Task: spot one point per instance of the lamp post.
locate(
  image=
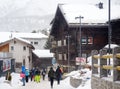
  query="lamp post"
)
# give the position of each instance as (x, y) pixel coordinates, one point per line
(109, 27)
(80, 55)
(68, 38)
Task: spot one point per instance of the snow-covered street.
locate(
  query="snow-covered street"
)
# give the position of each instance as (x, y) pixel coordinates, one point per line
(33, 85)
(45, 84)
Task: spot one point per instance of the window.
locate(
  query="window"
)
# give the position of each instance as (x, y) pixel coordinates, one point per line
(84, 41)
(24, 48)
(36, 43)
(87, 40)
(12, 48)
(65, 57)
(90, 40)
(60, 56)
(65, 42)
(59, 43)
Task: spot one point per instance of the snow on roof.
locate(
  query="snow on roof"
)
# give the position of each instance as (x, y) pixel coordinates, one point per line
(4, 36)
(43, 53)
(91, 13)
(20, 39)
(23, 40)
(29, 35)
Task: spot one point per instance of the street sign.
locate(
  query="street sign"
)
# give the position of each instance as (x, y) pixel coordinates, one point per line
(53, 61)
(80, 60)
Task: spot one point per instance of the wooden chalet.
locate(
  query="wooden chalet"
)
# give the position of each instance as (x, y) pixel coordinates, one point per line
(94, 35)
(115, 24)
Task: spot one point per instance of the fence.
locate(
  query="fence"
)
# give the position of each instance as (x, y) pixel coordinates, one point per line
(106, 69)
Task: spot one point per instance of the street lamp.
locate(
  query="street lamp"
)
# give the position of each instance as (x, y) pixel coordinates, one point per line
(109, 25)
(68, 38)
(80, 17)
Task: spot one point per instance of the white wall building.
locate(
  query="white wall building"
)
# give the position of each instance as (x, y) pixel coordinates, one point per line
(21, 50)
(21, 46)
(38, 40)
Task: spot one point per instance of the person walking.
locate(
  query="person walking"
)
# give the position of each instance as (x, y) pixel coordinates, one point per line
(43, 74)
(58, 74)
(22, 75)
(37, 75)
(27, 75)
(31, 74)
(51, 76)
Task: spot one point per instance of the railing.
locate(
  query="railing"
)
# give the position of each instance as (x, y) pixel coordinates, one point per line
(5, 55)
(105, 69)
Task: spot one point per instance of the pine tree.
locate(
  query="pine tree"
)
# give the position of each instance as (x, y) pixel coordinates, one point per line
(48, 44)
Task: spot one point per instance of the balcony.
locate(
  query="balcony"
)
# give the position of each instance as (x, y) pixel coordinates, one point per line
(5, 55)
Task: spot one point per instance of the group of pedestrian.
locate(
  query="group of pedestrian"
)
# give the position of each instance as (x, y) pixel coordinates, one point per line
(52, 75)
(34, 74)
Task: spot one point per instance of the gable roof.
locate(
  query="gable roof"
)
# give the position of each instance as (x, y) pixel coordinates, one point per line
(19, 39)
(91, 13)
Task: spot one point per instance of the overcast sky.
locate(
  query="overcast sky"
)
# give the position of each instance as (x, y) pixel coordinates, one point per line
(45, 6)
(29, 15)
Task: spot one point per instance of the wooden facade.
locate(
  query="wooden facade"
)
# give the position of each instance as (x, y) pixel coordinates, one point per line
(115, 25)
(93, 36)
(4, 48)
(41, 62)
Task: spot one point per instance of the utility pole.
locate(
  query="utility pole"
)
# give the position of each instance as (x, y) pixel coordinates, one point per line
(109, 28)
(80, 49)
(68, 38)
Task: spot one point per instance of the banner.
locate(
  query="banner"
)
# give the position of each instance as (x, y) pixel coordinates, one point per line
(6, 64)
(80, 60)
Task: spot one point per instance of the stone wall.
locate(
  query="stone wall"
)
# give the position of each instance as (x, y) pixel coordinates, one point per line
(103, 83)
(75, 82)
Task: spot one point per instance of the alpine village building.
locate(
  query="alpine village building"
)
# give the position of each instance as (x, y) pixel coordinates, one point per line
(72, 38)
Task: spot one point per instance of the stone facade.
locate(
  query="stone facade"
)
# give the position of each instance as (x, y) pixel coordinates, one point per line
(98, 83)
(75, 82)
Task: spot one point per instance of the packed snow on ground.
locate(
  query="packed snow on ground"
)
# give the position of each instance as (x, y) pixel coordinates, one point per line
(16, 83)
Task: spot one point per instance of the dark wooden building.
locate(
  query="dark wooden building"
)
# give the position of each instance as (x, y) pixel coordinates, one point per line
(115, 25)
(42, 59)
(66, 41)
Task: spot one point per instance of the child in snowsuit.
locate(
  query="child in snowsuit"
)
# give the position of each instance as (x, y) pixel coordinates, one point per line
(37, 76)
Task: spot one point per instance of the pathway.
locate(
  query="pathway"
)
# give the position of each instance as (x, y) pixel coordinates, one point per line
(45, 84)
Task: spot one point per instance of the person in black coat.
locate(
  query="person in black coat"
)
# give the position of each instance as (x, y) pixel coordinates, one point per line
(58, 74)
(43, 74)
(51, 76)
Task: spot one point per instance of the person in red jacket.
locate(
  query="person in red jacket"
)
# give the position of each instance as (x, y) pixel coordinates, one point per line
(22, 75)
